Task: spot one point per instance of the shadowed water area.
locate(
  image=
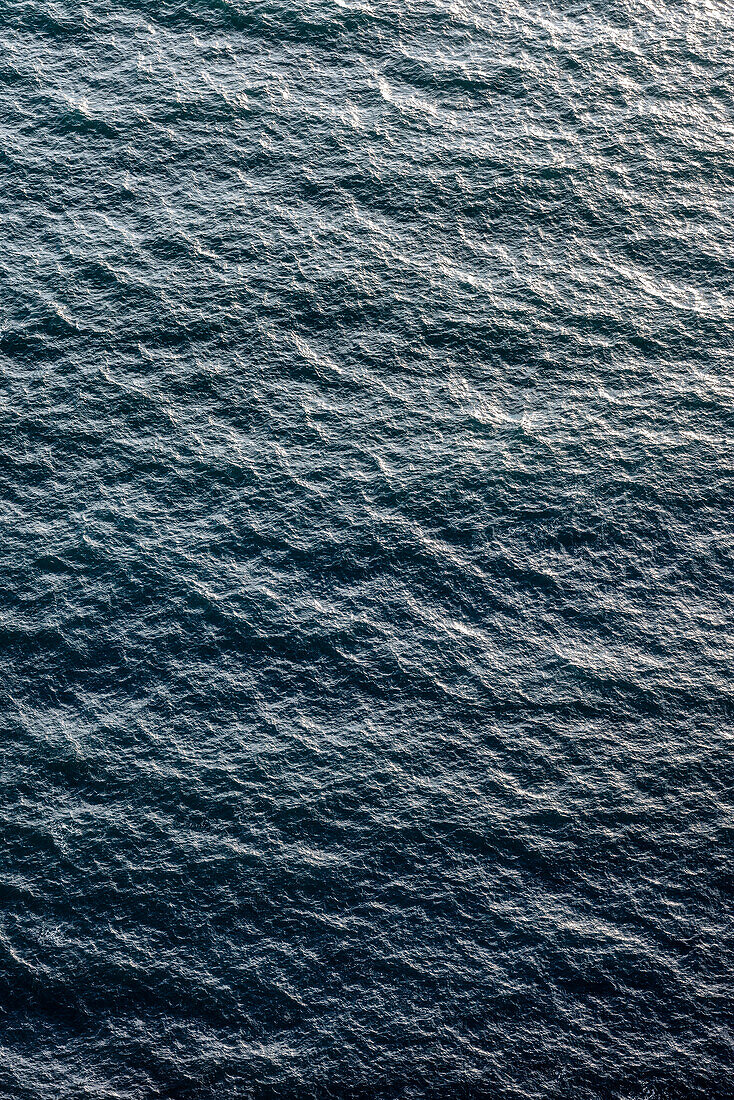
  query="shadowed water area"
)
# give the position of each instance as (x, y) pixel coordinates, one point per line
(367, 550)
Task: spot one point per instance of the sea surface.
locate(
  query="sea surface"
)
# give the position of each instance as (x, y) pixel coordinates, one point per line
(366, 550)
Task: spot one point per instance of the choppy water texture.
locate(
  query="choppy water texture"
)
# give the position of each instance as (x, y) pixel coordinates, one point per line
(366, 517)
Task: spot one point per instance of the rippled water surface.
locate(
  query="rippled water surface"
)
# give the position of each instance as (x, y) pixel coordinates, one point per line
(366, 530)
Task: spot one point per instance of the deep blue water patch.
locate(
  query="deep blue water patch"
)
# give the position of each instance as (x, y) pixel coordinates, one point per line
(367, 543)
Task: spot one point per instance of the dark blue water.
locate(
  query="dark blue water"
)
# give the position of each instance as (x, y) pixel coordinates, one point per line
(367, 546)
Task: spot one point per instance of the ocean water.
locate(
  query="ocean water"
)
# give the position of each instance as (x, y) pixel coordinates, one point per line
(367, 544)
